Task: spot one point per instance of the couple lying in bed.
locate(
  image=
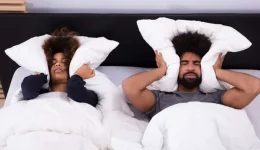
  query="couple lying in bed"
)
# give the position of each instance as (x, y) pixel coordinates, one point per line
(60, 48)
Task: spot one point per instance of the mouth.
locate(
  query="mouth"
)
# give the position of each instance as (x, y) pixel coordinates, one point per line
(58, 70)
(190, 75)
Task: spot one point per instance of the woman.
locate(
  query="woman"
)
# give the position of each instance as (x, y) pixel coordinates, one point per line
(59, 50)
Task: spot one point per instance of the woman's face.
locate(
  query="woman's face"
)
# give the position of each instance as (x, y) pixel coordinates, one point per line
(59, 73)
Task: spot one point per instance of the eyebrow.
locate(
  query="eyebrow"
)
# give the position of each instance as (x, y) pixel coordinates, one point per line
(194, 61)
(56, 59)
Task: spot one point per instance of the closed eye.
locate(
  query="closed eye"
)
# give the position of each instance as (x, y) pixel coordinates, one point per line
(184, 62)
(64, 60)
(196, 63)
(54, 62)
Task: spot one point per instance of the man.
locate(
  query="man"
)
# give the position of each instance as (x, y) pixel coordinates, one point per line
(190, 47)
(59, 50)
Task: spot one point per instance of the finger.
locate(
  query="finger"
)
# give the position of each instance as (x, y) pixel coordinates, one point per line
(157, 53)
(222, 58)
(220, 55)
(160, 53)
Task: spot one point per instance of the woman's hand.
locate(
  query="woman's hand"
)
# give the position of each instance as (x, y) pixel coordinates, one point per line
(85, 72)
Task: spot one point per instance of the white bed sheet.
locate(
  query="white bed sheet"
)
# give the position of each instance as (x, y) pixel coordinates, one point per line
(118, 74)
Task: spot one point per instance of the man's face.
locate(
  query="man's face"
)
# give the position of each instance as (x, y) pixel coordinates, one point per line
(190, 71)
(59, 73)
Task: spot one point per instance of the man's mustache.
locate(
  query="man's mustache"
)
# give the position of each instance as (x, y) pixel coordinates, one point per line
(191, 73)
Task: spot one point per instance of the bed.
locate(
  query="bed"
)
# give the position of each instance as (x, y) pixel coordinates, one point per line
(16, 28)
(128, 58)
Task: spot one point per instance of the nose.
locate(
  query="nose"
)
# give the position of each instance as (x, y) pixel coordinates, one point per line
(190, 67)
(57, 64)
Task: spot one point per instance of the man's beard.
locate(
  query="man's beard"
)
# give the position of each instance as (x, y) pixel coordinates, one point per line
(190, 83)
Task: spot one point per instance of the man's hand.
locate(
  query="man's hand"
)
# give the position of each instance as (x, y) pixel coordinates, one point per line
(85, 72)
(219, 62)
(161, 64)
(246, 87)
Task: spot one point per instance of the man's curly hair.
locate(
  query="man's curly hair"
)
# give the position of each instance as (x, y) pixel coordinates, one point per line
(191, 42)
(61, 40)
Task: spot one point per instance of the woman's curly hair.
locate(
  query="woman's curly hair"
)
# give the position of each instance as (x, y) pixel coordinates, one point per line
(61, 40)
(191, 42)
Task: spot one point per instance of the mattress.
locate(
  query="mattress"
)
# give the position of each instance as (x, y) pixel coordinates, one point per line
(117, 74)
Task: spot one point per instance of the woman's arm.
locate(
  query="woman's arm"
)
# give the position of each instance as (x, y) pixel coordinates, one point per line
(77, 91)
(32, 85)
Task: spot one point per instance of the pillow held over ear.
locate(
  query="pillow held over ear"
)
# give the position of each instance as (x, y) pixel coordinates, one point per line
(160, 32)
(92, 51)
(30, 54)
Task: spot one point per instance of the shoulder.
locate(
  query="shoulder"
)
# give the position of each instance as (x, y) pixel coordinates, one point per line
(213, 93)
(216, 96)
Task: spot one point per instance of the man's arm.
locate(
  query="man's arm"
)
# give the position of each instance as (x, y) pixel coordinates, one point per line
(246, 87)
(77, 91)
(135, 86)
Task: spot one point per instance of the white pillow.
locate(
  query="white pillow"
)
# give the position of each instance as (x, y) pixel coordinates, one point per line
(92, 51)
(110, 96)
(30, 54)
(159, 33)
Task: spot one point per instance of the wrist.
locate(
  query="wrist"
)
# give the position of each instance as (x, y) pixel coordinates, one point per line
(161, 72)
(218, 72)
(77, 75)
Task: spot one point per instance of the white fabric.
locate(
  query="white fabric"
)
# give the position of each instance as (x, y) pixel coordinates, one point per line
(126, 132)
(92, 51)
(115, 73)
(159, 33)
(30, 54)
(110, 96)
(118, 74)
(200, 126)
(51, 121)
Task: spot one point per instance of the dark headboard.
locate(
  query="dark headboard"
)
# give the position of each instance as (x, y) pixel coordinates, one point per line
(133, 50)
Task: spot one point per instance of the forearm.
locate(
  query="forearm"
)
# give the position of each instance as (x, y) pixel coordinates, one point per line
(140, 81)
(79, 93)
(32, 85)
(241, 81)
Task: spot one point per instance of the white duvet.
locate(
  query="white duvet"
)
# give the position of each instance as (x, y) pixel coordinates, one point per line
(51, 122)
(200, 126)
(125, 131)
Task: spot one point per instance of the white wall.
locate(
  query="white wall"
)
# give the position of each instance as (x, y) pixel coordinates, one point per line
(144, 6)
